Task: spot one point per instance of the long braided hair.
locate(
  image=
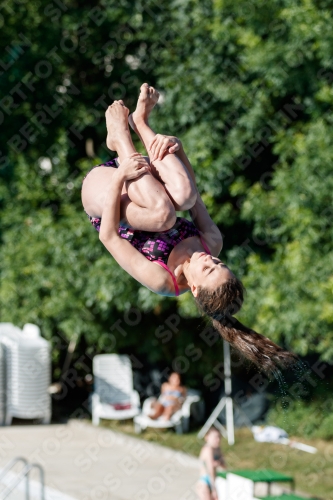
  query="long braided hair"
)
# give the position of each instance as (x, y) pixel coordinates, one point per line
(220, 305)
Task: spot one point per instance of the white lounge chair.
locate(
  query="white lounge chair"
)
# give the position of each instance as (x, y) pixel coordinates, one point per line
(180, 420)
(113, 397)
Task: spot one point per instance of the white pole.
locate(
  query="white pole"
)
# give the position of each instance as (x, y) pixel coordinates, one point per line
(226, 402)
(227, 368)
(229, 414)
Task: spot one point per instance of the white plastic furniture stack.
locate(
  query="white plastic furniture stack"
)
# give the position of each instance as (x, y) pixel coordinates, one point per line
(114, 397)
(9, 334)
(180, 419)
(27, 373)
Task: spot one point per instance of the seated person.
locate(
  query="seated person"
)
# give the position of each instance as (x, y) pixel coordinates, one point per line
(172, 396)
(211, 459)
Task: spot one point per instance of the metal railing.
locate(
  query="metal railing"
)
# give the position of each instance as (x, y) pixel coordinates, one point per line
(11, 464)
(24, 474)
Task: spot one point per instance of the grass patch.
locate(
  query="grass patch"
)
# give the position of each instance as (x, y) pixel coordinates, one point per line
(313, 473)
(311, 419)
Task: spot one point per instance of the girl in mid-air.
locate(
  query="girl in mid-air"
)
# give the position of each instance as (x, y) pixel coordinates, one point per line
(134, 209)
(211, 460)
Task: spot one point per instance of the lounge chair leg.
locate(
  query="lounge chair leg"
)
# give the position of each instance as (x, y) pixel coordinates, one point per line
(179, 428)
(8, 419)
(95, 419)
(186, 424)
(46, 419)
(137, 428)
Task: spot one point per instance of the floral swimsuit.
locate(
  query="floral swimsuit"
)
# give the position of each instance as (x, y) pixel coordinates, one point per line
(155, 246)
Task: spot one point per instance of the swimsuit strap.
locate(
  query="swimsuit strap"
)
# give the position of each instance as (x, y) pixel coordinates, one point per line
(171, 274)
(205, 246)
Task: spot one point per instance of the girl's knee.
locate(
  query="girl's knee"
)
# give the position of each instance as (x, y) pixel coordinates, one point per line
(185, 197)
(165, 215)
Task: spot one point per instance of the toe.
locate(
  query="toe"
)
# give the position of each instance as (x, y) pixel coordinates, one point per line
(144, 89)
(154, 93)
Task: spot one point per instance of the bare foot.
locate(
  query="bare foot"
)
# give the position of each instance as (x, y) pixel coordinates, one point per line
(147, 99)
(116, 117)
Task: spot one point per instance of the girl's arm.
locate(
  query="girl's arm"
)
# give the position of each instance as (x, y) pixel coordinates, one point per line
(164, 387)
(207, 227)
(220, 462)
(111, 211)
(199, 214)
(167, 144)
(133, 262)
(130, 168)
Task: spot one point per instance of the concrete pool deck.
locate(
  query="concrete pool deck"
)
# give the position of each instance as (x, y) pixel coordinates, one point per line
(94, 463)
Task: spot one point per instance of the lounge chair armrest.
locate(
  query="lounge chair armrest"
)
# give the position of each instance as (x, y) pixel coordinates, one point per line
(186, 407)
(147, 404)
(135, 399)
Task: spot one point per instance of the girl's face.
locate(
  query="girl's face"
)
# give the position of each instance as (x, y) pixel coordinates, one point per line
(213, 438)
(205, 270)
(174, 379)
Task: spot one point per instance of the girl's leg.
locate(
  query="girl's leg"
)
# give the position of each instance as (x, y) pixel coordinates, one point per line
(158, 411)
(169, 411)
(170, 170)
(203, 491)
(145, 204)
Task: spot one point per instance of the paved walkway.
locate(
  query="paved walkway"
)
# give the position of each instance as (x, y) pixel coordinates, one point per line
(93, 463)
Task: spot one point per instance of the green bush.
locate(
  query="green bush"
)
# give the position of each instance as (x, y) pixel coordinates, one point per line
(304, 418)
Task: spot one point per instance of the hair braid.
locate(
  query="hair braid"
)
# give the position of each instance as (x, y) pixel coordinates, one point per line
(220, 305)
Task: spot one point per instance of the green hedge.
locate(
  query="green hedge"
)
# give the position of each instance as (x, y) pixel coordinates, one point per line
(304, 418)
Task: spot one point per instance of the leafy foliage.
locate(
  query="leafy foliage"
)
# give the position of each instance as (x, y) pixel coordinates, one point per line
(304, 419)
(248, 88)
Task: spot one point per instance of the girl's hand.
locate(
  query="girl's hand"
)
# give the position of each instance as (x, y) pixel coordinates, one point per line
(162, 144)
(133, 166)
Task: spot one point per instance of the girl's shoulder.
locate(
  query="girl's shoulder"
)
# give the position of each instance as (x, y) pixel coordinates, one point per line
(206, 451)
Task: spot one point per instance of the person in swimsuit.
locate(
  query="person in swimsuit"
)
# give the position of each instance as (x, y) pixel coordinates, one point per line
(172, 396)
(211, 460)
(133, 207)
(145, 202)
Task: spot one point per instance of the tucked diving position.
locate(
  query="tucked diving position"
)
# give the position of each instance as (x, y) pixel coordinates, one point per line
(133, 201)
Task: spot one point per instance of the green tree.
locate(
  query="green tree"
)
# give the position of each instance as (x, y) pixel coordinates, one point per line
(248, 89)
